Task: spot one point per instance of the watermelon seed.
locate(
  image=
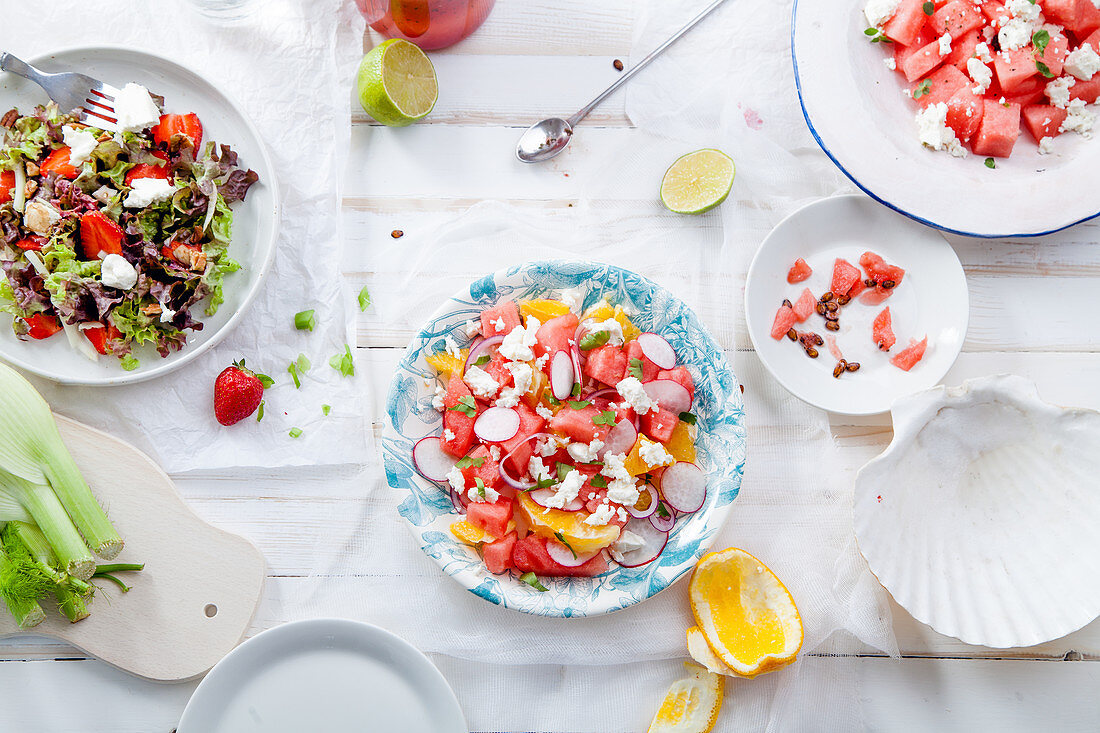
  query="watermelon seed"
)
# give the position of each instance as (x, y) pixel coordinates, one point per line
(832, 307)
(820, 309)
(788, 303)
(869, 283)
(889, 284)
(832, 325)
(852, 366)
(792, 335)
(397, 234)
(829, 317)
(827, 296)
(839, 369)
(811, 352)
(843, 300)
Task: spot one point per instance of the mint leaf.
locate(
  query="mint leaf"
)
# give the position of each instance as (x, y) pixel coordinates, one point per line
(923, 88)
(561, 538)
(578, 404)
(468, 461)
(482, 360)
(533, 580)
(265, 380)
(1040, 39)
(592, 340)
(605, 418)
(688, 418)
(364, 299)
(928, 8)
(466, 406)
(635, 368)
(990, 163)
(598, 481)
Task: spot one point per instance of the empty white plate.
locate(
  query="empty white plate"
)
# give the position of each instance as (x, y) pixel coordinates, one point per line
(331, 675)
(931, 301)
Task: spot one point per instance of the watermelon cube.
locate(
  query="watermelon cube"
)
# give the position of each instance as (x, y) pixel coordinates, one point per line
(498, 554)
(999, 129)
(845, 277)
(1054, 55)
(491, 517)
(1018, 67)
(1086, 90)
(923, 61)
(804, 306)
(456, 421)
(606, 364)
(907, 358)
(529, 555)
(500, 319)
(906, 23)
(902, 53)
(1088, 20)
(964, 113)
(994, 11)
(942, 85)
(882, 330)
(962, 49)
(482, 467)
(659, 424)
(681, 376)
(520, 447)
(649, 369)
(958, 18)
(554, 336)
(1093, 40)
(578, 425)
(1043, 120)
(878, 270)
(799, 271)
(784, 320)
(1062, 12)
(875, 296)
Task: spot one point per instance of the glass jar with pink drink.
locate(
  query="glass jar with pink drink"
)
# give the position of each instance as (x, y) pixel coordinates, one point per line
(430, 24)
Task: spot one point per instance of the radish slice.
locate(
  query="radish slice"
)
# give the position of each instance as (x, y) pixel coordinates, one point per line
(497, 424)
(459, 501)
(657, 350)
(643, 513)
(431, 461)
(479, 348)
(575, 353)
(608, 393)
(562, 555)
(542, 496)
(669, 394)
(684, 486)
(654, 539)
(620, 439)
(662, 524)
(562, 376)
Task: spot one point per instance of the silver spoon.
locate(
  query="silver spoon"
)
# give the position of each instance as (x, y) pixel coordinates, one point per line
(543, 140)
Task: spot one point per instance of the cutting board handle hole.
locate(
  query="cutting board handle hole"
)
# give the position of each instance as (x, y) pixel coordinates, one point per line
(211, 610)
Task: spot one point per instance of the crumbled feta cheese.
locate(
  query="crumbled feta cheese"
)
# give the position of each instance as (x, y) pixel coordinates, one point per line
(166, 313)
(614, 331)
(473, 328)
(81, 144)
(543, 411)
(537, 469)
(614, 466)
(567, 490)
(499, 324)
(38, 216)
(517, 345)
(632, 391)
(1057, 91)
(604, 513)
(980, 73)
(934, 132)
(627, 542)
(573, 298)
(622, 488)
(1046, 146)
(654, 454)
(484, 494)
(135, 110)
(550, 445)
(451, 347)
(103, 194)
(541, 361)
(890, 63)
(439, 397)
(1083, 62)
(522, 375)
(621, 514)
(982, 52)
(116, 272)
(880, 11)
(448, 434)
(945, 44)
(494, 453)
(1024, 9)
(456, 480)
(1079, 120)
(1014, 34)
(585, 452)
(147, 191)
(481, 383)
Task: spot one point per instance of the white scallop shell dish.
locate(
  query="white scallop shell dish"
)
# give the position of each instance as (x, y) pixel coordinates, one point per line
(981, 516)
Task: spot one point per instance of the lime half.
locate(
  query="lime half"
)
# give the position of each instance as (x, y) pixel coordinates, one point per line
(697, 182)
(396, 83)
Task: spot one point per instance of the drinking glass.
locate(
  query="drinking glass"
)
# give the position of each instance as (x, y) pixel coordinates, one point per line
(429, 24)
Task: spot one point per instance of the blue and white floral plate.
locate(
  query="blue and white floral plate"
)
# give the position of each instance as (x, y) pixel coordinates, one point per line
(721, 443)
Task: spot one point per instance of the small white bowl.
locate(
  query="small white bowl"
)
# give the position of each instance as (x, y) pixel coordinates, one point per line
(932, 300)
(855, 109)
(981, 516)
(255, 220)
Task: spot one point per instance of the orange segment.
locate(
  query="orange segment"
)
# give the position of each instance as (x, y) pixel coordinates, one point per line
(682, 443)
(634, 462)
(471, 535)
(542, 309)
(583, 538)
(746, 614)
(630, 331)
(446, 364)
(600, 311)
(691, 705)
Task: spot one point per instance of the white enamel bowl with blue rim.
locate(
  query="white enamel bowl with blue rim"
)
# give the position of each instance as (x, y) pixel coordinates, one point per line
(255, 220)
(427, 508)
(855, 109)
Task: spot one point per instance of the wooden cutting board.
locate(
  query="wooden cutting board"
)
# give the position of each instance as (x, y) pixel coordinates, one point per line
(198, 593)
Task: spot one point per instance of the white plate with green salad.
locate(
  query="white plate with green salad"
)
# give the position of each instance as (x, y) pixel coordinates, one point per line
(126, 254)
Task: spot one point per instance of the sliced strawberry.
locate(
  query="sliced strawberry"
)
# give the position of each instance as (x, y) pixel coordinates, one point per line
(42, 326)
(33, 243)
(99, 235)
(170, 125)
(58, 163)
(100, 335)
(144, 170)
(7, 183)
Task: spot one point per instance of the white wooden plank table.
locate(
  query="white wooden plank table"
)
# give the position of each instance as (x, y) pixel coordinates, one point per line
(1028, 304)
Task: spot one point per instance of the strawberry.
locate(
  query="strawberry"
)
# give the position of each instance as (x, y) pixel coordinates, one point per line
(98, 234)
(237, 393)
(42, 326)
(33, 243)
(170, 125)
(7, 183)
(144, 170)
(99, 336)
(58, 162)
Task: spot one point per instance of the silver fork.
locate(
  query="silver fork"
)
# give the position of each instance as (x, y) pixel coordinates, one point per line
(90, 99)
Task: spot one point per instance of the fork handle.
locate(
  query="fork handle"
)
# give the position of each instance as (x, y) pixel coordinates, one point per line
(20, 67)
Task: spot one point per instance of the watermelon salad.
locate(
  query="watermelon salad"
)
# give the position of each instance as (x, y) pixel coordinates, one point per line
(568, 440)
(869, 285)
(979, 70)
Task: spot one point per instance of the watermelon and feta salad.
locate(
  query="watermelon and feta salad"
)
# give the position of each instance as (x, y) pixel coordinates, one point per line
(870, 284)
(980, 70)
(568, 438)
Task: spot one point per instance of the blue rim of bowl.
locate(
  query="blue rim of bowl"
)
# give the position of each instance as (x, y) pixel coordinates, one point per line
(872, 194)
(717, 514)
(263, 268)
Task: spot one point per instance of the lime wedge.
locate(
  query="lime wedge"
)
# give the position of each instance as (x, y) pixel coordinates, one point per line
(697, 182)
(396, 83)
